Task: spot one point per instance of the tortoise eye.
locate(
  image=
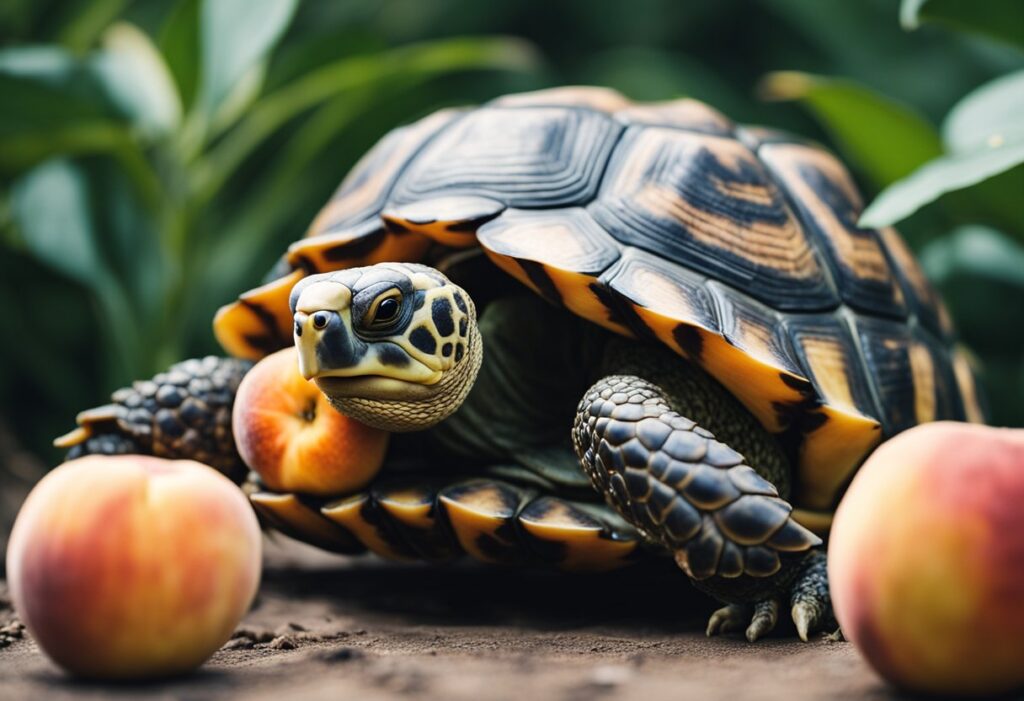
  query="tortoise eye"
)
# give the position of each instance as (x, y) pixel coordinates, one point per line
(387, 310)
(320, 320)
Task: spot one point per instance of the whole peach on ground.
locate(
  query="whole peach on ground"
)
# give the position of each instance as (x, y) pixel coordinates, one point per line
(131, 567)
(287, 432)
(926, 559)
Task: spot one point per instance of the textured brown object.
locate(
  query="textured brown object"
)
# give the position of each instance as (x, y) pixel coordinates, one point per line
(184, 412)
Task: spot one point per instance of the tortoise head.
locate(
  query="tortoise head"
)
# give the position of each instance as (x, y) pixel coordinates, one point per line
(393, 345)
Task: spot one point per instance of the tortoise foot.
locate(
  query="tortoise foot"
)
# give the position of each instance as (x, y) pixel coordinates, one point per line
(758, 620)
(728, 619)
(810, 601)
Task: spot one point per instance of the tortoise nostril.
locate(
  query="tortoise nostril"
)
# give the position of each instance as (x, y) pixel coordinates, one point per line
(320, 320)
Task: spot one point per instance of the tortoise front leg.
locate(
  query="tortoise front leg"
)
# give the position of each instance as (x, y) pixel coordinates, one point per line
(725, 524)
(181, 413)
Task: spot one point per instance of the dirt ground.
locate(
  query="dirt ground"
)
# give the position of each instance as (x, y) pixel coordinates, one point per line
(326, 627)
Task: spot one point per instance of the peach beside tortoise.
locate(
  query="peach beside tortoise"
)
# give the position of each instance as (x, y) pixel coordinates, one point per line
(713, 349)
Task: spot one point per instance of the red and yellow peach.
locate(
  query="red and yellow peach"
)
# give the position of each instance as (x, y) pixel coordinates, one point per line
(926, 559)
(132, 567)
(287, 432)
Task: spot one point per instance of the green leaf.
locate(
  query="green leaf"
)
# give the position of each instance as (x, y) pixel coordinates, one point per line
(137, 80)
(999, 19)
(235, 35)
(984, 134)
(179, 44)
(994, 113)
(883, 138)
(51, 106)
(976, 250)
(937, 177)
(87, 24)
(417, 61)
(52, 209)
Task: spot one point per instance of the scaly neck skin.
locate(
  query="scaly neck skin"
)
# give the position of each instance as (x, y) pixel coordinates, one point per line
(422, 406)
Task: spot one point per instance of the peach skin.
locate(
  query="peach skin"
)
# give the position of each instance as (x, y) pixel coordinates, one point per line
(287, 432)
(128, 567)
(926, 559)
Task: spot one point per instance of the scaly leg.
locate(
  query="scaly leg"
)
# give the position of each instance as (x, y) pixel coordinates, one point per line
(725, 524)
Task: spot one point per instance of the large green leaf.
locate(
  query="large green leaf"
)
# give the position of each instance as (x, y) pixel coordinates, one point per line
(976, 250)
(991, 114)
(137, 80)
(79, 33)
(936, 178)
(984, 137)
(52, 209)
(48, 110)
(179, 43)
(999, 19)
(235, 36)
(415, 62)
(883, 138)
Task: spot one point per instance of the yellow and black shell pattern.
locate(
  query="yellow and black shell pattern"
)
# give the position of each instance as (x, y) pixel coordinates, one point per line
(735, 246)
(490, 520)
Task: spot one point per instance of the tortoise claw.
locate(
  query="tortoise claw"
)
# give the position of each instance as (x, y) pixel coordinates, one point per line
(758, 620)
(805, 618)
(766, 615)
(727, 619)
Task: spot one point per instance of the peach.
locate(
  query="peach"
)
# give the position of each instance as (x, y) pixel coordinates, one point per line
(926, 559)
(131, 567)
(287, 432)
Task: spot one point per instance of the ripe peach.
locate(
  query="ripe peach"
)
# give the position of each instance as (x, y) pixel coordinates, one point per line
(926, 559)
(286, 431)
(131, 566)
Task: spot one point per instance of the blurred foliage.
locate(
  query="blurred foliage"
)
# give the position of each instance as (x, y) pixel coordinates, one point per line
(157, 156)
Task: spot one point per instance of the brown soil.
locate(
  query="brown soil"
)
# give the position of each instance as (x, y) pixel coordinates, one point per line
(326, 627)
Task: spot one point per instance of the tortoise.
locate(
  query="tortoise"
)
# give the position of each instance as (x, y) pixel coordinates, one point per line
(694, 348)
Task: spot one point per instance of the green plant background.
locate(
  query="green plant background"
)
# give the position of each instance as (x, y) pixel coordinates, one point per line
(156, 157)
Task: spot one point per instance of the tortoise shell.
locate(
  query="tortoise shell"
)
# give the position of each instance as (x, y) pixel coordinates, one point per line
(735, 246)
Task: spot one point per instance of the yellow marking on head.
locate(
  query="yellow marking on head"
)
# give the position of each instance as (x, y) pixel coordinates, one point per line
(326, 295)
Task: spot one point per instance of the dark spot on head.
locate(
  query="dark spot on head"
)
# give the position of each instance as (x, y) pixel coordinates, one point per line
(446, 350)
(689, 340)
(441, 313)
(337, 348)
(390, 354)
(463, 327)
(423, 340)
(461, 303)
(419, 298)
(460, 350)
(298, 329)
